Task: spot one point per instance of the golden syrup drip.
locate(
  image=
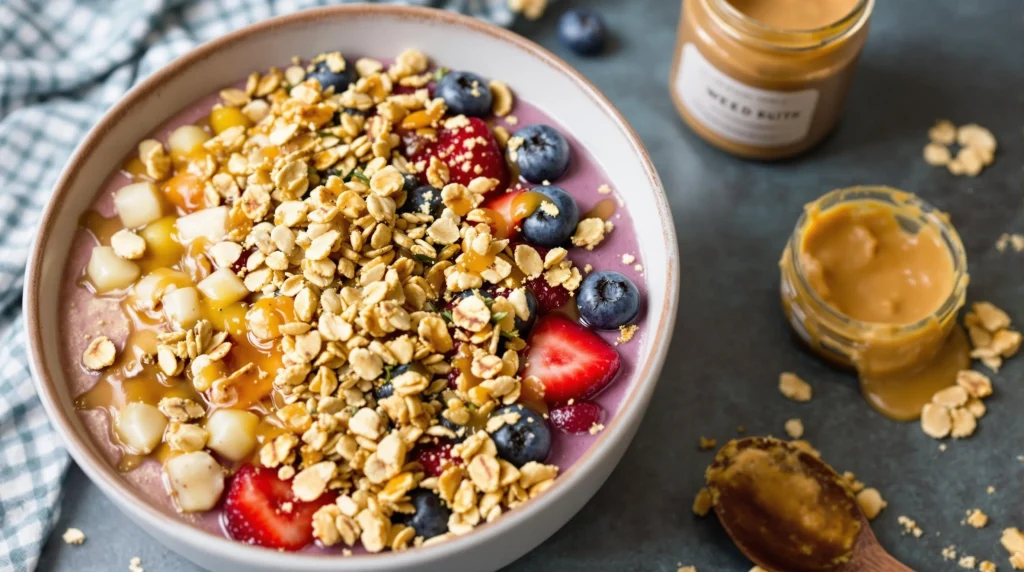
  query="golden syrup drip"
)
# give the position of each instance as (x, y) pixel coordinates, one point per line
(101, 227)
(525, 204)
(186, 191)
(603, 210)
(271, 314)
(498, 223)
(901, 395)
(471, 261)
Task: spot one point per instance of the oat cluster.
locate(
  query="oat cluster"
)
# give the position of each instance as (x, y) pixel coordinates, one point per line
(992, 338)
(977, 147)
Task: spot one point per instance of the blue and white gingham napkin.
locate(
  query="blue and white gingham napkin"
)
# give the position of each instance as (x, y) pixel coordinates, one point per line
(62, 64)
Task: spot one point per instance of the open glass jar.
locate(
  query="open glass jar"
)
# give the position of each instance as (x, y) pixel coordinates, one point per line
(878, 351)
(759, 90)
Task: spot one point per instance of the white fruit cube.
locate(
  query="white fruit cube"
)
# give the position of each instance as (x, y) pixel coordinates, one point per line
(186, 138)
(211, 224)
(153, 286)
(138, 204)
(223, 287)
(196, 481)
(108, 271)
(182, 307)
(141, 427)
(232, 433)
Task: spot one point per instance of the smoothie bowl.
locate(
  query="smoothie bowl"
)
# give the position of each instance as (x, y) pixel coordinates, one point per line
(360, 288)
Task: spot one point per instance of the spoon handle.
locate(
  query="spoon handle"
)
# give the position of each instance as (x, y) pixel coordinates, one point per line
(876, 560)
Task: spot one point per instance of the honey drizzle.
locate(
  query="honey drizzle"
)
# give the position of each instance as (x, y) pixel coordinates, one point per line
(603, 210)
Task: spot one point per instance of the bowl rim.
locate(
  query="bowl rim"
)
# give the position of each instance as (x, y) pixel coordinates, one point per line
(131, 499)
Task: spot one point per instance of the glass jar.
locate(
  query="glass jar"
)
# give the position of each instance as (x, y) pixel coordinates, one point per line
(759, 91)
(873, 349)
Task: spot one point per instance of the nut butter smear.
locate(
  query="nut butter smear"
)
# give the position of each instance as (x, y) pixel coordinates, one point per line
(785, 509)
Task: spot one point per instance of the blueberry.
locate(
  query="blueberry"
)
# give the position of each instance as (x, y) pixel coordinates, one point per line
(385, 389)
(431, 516)
(528, 439)
(424, 199)
(582, 31)
(459, 430)
(465, 93)
(410, 182)
(327, 78)
(543, 229)
(607, 300)
(543, 155)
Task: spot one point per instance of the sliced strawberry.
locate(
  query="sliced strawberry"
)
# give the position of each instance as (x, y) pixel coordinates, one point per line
(571, 361)
(576, 418)
(256, 510)
(469, 151)
(436, 459)
(502, 204)
(549, 298)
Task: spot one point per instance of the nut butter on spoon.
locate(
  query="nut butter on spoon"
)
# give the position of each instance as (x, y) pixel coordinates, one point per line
(788, 511)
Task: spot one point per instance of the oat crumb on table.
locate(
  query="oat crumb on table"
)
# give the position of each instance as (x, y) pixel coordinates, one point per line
(706, 444)
(604, 190)
(976, 518)
(596, 428)
(1013, 541)
(794, 388)
(949, 552)
(702, 502)
(687, 569)
(628, 259)
(967, 562)
(135, 565)
(987, 566)
(909, 526)
(794, 428)
(73, 536)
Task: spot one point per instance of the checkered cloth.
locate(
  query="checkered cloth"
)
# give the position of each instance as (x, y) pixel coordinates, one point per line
(62, 64)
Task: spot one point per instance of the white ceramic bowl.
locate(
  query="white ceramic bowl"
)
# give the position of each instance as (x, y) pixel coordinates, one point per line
(458, 42)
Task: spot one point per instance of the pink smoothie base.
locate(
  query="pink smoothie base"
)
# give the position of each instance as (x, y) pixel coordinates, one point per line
(89, 315)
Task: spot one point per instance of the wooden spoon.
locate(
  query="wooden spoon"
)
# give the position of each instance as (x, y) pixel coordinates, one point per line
(788, 511)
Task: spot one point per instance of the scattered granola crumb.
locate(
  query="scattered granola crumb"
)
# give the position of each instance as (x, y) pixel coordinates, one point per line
(604, 190)
(1013, 541)
(871, 502)
(73, 536)
(707, 444)
(976, 518)
(990, 490)
(968, 562)
(909, 526)
(793, 387)
(639, 267)
(687, 569)
(628, 259)
(987, 566)
(977, 148)
(949, 552)
(702, 502)
(626, 333)
(100, 353)
(135, 565)
(794, 428)
(942, 447)
(513, 120)
(596, 428)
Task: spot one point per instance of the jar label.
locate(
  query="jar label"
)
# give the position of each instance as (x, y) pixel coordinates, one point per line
(739, 112)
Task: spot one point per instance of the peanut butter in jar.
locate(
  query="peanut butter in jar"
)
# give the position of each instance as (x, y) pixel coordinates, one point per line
(766, 79)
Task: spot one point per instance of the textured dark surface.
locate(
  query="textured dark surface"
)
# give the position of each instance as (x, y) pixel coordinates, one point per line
(924, 60)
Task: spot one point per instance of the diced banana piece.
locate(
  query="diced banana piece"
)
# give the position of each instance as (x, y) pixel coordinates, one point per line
(141, 426)
(196, 481)
(186, 138)
(232, 433)
(138, 204)
(182, 307)
(108, 271)
(223, 287)
(153, 286)
(211, 224)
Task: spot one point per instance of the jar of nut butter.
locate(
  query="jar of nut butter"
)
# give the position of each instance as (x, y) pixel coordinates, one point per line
(766, 79)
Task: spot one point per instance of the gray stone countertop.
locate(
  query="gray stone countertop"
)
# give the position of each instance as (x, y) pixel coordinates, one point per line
(924, 60)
